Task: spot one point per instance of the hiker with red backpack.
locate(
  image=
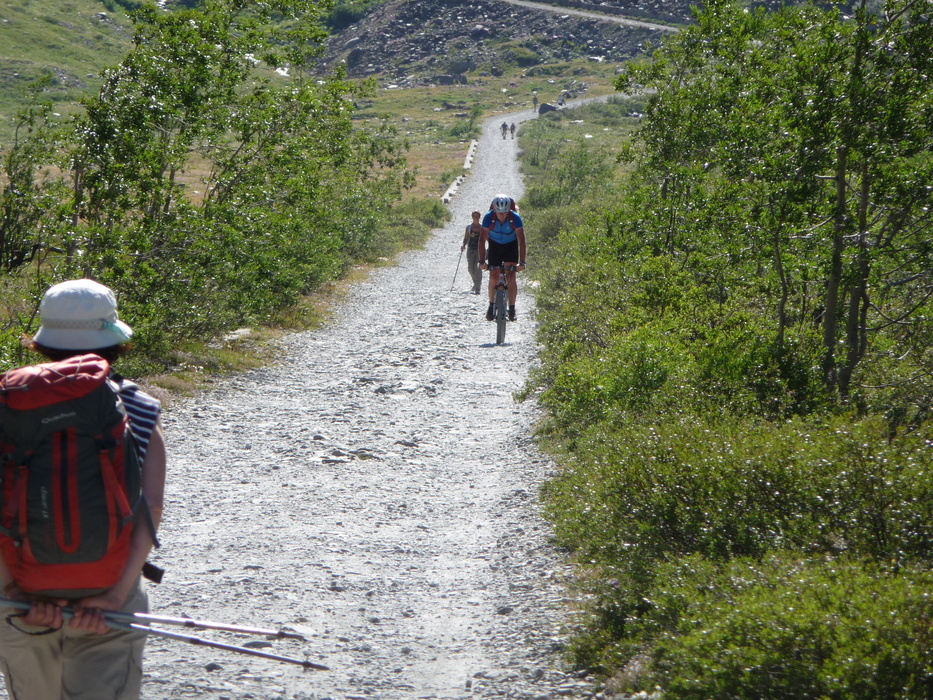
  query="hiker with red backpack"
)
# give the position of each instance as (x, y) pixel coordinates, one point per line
(82, 479)
(502, 240)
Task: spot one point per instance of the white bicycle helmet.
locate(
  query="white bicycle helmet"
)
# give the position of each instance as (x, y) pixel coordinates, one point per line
(501, 204)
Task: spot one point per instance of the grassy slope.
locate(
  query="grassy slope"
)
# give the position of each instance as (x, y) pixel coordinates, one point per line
(71, 39)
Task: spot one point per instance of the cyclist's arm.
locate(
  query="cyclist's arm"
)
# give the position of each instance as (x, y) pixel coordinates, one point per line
(520, 233)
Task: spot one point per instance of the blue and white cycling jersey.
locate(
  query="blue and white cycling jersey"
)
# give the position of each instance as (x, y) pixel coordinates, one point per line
(502, 232)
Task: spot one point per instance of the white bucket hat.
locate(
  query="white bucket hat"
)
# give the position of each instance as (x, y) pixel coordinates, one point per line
(80, 315)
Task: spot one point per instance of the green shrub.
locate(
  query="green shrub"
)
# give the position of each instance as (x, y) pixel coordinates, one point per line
(430, 212)
(580, 169)
(625, 376)
(734, 477)
(408, 225)
(521, 55)
(463, 130)
(348, 12)
(785, 628)
(731, 487)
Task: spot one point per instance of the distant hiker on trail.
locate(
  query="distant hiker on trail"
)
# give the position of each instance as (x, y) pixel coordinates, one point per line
(512, 129)
(534, 103)
(105, 477)
(471, 244)
(505, 129)
(505, 234)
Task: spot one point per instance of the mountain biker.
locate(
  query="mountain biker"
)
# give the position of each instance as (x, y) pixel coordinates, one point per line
(505, 234)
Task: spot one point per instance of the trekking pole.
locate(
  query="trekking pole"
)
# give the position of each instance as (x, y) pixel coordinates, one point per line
(200, 641)
(143, 618)
(457, 270)
(122, 620)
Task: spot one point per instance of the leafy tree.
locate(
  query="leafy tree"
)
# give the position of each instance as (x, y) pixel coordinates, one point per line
(707, 336)
(797, 143)
(214, 179)
(30, 216)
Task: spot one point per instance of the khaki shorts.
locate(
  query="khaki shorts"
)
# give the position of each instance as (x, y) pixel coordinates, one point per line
(70, 664)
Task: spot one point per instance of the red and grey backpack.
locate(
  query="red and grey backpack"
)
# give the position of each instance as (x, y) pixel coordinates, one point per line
(70, 477)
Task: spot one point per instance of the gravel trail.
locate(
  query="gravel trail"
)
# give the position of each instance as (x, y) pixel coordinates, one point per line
(375, 491)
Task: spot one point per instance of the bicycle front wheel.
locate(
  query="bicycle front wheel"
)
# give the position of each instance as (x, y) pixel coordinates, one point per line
(501, 309)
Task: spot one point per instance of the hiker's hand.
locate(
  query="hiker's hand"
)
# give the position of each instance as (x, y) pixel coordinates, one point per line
(14, 592)
(44, 614)
(89, 619)
(89, 612)
(483, 266)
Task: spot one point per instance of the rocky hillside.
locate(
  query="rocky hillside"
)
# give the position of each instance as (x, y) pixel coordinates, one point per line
(418, 41)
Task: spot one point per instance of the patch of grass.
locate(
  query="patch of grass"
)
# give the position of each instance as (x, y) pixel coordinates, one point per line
(433, 162)
(448, 176)
(520, 54)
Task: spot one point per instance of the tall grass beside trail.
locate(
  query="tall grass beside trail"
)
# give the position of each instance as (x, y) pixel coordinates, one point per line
(738, 532)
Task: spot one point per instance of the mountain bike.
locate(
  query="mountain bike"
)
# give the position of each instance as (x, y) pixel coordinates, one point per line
(501, 300)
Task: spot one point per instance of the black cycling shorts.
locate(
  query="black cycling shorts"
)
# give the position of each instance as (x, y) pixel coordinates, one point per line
(497, 253)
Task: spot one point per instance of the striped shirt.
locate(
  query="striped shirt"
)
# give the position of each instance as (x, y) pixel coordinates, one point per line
(142, 410)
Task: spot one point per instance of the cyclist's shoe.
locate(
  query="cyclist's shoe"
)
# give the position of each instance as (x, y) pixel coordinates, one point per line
(491, 313)
(511, 313)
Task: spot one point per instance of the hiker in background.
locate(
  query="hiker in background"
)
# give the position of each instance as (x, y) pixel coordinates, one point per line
(505, 130)
(534, 103)
(471, 244)
(512, 129)
(44, 656)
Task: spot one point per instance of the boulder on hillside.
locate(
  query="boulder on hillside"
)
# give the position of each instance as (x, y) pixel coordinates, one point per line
(546, 107)
(355, 57)
(449, 79)
(462, 66)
